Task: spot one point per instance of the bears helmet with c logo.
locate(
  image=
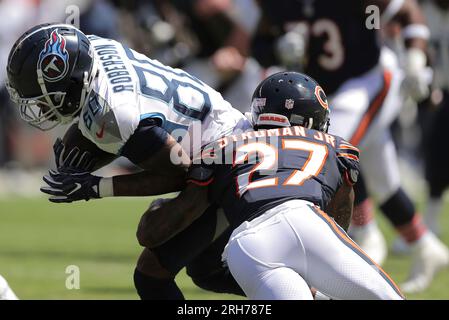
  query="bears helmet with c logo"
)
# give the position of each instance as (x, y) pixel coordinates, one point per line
(287, 99)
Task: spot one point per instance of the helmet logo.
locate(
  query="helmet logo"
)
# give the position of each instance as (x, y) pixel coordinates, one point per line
(321, 96)
(289, 104)
(259, 102)
(54, 58)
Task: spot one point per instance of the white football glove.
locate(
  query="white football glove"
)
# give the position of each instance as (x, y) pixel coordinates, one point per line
(417, 75)
(291, 47)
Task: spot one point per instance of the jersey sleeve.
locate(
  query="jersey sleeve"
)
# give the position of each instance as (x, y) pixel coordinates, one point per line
(109, 128)
(146, 141)
(348, 160)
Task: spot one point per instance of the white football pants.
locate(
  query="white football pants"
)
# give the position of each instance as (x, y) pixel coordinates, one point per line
(294, 246)
(362, 111)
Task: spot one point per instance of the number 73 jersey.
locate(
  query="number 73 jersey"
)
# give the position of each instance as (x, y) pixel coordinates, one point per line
(341, 42)
(251, 173)
(131, 87)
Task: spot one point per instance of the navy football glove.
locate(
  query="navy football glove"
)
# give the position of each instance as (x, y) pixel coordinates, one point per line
(75, 159)
(71, 184)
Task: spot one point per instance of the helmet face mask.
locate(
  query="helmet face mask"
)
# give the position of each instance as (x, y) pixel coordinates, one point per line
(288, 99)
(49, 71)
(38, 111)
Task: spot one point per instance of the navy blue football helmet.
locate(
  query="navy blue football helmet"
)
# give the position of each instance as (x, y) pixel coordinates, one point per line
(50, 74)
(290, 98)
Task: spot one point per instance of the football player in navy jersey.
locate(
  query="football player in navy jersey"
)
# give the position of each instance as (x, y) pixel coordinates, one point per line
(273, 184)
(343, 49)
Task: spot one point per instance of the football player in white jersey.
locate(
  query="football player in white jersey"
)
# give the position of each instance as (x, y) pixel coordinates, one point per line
(128, 105)
(435, 112)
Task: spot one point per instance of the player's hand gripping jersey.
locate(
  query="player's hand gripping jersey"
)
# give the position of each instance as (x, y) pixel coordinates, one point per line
(130, 88)
(251, 173)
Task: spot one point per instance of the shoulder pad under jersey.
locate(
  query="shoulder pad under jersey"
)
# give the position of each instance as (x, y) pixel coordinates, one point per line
(109, 128)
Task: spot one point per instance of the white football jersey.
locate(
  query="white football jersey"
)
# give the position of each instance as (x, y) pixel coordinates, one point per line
(131, 87)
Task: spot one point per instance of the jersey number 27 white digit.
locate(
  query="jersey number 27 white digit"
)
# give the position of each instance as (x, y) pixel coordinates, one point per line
(268, 155)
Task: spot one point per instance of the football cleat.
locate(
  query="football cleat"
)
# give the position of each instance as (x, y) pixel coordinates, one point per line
(429, 256)
(400, 247)
(434, 209)
(433, 224)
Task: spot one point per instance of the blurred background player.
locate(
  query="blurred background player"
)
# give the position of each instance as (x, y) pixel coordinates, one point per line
(223, 29)
(436, 151)
(431, 117)
(343, 51)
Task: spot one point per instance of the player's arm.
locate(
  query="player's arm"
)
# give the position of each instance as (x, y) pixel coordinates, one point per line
(164, 169)
(341, 205)
(158, 225)
(415, 34)
(409, 15)
(163, 160)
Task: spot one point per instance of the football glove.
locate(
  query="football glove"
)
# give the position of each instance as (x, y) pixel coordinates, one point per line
(75, 159)
(417, 78)
(70, 184)
(291, 48)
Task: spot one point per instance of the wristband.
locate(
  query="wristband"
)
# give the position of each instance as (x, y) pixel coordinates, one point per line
(106, 187)
(416, 31)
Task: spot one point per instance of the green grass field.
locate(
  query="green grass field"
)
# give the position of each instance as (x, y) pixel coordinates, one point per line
(38, 240)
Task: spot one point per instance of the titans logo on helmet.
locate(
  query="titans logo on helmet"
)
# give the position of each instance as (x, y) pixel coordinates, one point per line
(54, 58)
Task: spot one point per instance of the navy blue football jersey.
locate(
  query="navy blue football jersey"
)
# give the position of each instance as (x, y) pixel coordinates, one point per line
(340, 45)
(253, 172)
